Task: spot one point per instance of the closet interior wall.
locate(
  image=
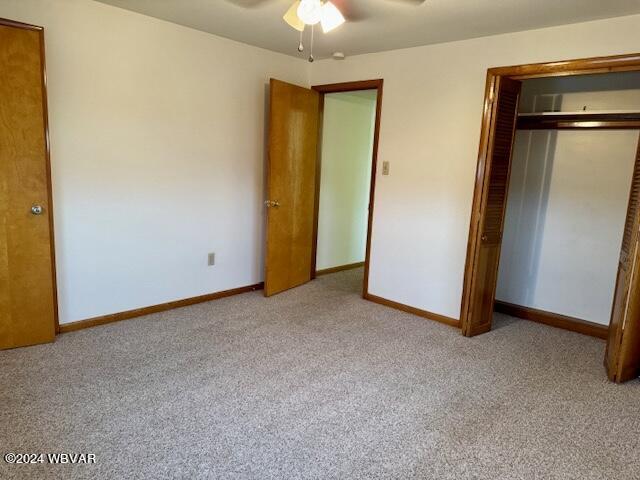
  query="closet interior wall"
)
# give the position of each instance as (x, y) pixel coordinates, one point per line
(568, 198)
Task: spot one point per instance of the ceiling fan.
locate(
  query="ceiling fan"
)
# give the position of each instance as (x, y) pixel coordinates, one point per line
(330, 14)
(312, 12)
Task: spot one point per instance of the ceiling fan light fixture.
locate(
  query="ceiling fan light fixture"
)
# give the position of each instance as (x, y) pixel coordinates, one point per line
(309, 11)
(291, 17)
(330, 17)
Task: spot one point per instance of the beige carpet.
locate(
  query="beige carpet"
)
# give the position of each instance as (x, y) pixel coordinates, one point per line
(317, 383)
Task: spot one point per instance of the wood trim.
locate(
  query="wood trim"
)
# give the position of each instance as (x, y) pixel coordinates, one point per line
(378, 85)
(579, 121)
(349, 86)
(372, 190)
(341, 268)
(452, 322)
(316, 206)
(45, 110)
(139, 312)
(45, 113)
(553, 319)
(25, 26)
(581, 66)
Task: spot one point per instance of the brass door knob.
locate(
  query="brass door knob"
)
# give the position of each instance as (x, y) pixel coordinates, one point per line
(37, 210)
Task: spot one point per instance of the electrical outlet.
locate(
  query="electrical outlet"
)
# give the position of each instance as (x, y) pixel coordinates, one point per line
(385, 168)
(212, 259)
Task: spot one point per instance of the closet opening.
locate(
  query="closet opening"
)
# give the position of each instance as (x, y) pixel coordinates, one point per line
(555, 219)
(567, 198)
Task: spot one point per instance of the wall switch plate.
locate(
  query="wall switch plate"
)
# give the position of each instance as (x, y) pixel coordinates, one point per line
(385, 168)
(212, 259)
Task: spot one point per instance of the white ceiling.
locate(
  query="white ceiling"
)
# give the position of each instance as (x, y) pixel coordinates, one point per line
(378, 24)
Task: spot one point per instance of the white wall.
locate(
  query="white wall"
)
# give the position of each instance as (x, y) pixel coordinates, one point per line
(565, 217)
(347, 146)
(157, 146)
(431, 112)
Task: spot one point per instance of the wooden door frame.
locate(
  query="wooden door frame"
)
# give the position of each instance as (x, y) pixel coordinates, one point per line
(376, 84)
(45, 112)
(585, 66)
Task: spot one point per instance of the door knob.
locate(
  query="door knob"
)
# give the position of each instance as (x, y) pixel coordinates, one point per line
(36, 210)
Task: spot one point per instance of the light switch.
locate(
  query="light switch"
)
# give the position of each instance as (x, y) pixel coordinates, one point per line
(385, 168)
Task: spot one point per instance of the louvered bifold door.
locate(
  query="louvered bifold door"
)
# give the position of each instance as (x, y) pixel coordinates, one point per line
(491, 209)
(622, 358)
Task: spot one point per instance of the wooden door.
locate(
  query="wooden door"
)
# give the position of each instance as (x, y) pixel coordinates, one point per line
(291, 184)
(489, 209)
(27, 292)
(622, 358)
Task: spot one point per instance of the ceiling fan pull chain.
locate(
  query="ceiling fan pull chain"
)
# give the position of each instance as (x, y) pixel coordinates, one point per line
(300, 45)
(311, 47)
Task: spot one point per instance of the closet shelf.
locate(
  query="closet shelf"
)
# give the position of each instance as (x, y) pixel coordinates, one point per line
(620, 119)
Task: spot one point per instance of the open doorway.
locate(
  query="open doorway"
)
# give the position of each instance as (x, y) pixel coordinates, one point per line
(344, 191)
(586, 180)
(299, 233)
(368, 93)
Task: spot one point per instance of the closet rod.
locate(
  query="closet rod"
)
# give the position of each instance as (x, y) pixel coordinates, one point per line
(577, 121)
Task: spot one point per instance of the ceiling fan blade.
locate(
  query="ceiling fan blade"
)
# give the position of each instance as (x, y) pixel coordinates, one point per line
(350, 11)
(353, 13)
(291, 17)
